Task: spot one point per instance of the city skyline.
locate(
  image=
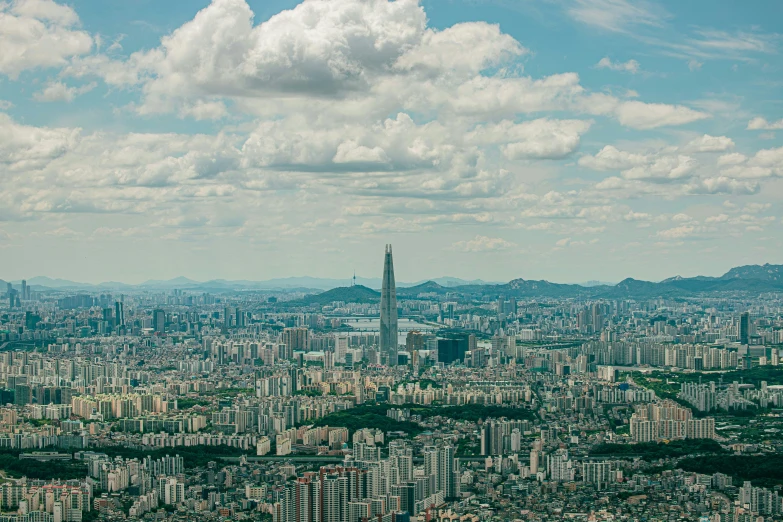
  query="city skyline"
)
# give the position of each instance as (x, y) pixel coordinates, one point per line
(632, 136)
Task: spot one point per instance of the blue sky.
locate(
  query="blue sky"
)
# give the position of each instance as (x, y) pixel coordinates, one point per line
(565, 139)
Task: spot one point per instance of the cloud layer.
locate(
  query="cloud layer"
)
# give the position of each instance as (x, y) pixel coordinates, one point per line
(345, 119)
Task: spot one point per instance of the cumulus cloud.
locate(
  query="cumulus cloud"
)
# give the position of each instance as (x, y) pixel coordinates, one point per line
(720, 218)
(639, 115)
(760, 123)
(735, 158)
(538, 139)
(611, 158)
(24, 147)
(352, 59)
(569, 242)
(355, 108)
(665, 168)
(765, 163)
(483, 244)
(709, 143)
(637, 216)
(39, 34)
(631, 66)
(722, 185)
(681, 232)
(654, 167)
(58, 91)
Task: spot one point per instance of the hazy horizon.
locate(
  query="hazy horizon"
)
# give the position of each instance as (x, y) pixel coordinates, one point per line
(361, 277)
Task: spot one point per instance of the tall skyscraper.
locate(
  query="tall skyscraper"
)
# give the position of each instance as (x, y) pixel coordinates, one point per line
(389, 309)
(744, 332)
(159, 320)
(119, 314)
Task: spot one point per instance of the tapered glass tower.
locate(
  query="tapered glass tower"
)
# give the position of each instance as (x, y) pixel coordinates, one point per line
(389, 309)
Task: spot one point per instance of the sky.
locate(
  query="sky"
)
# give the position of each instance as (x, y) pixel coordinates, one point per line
(567, 140)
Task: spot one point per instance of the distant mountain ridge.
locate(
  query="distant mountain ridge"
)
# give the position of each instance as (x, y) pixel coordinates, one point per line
(749, 279)
(185, 283)
(753, 279)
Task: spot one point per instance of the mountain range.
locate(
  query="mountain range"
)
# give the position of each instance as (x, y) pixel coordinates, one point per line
(218, 285)
(749, 279)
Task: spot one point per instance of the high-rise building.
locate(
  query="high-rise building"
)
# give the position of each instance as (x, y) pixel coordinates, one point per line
(340, 348)
(389, 341)
(119, 314)
(744, 330)
(158, 320)
(440, 463)
(296, 339)
(23, 394)
(414, 341)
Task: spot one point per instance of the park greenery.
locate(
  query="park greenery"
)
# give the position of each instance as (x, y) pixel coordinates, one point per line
(192, 456)
(374, 416)
(651, 451)
(15, 467)
(368, 417)
(761, 470)
(186, 403)
(308, 393)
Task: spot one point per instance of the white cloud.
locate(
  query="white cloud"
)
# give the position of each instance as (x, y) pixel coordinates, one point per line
(722, 185)
(463, 48)
(568, 242)
(58, 91)
(760, 123)
(39, 34)
(639, 115)
(681, 217)
(610, 158)
(24, 147)
(655, 167)
(637, 216)
(353, 59)
(709, 143)
(538, 139)
(631, 66)
(755, 208)
(204, 110)
(741, 42)
(616, 15)
(680, 232)
(5, 105)
(720, 218)
(483, 244)
(665, 168)
(735, 158)
(356, 109)
(765, 163)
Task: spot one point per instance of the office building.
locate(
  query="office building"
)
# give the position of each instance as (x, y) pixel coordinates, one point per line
(744, 329)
